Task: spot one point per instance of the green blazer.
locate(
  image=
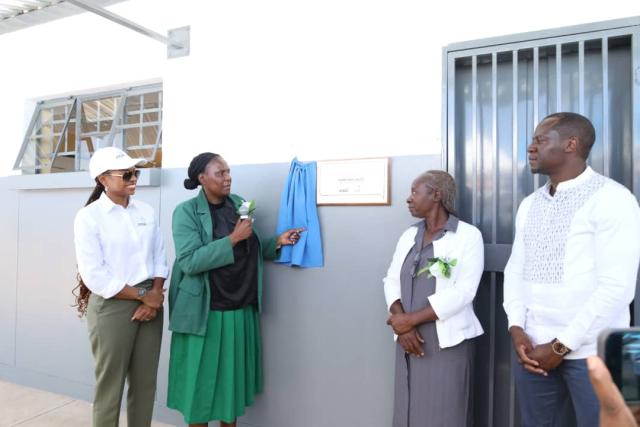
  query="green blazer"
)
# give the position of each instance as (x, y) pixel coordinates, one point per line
(196, 254)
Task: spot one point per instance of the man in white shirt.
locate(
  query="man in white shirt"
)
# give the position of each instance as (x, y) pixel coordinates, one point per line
(571, 274)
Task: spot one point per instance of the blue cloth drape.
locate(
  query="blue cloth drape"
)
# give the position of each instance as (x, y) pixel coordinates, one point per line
(298, 209)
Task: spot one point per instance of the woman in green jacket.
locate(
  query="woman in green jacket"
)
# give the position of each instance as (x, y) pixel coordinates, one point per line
(215, 366)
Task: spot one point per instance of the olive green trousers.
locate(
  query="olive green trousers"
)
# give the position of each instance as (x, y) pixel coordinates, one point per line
(124, 350)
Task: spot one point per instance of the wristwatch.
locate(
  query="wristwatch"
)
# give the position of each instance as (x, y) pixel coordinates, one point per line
(141, 293)
(559, 348)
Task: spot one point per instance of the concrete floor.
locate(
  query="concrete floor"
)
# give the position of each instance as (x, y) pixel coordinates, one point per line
(28, 407)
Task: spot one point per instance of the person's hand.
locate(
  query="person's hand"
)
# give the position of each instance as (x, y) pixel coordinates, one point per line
(545, 356)
(242, 231)
(412, 342)
(401, 323)
(522, 345)
(289, 237)
(613, 410)
(144, 313)
(153, 298)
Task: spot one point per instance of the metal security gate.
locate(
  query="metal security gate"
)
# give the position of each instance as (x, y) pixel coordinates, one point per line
(495, 92)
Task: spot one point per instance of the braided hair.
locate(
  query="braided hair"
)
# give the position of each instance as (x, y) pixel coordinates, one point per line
(81, 292)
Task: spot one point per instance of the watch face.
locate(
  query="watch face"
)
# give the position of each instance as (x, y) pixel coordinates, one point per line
(560, 348)
(142, 292)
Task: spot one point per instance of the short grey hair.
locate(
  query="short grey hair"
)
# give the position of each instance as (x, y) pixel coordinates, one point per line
(444, 183)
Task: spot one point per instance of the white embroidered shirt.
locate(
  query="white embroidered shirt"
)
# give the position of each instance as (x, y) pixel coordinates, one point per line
(574, 262)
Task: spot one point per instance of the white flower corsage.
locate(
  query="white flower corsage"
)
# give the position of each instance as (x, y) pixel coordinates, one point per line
(246, 209)
(438, 267)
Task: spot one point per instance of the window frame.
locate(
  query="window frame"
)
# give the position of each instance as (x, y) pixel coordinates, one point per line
(75, 112)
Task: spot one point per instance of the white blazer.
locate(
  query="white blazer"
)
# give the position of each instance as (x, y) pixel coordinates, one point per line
(453, 298)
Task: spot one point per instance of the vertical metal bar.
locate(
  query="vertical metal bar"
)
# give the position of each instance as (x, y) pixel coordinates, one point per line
(141, 121)
(635, 168)
(496, 148)
(492, 346)
(536, 60)
(444, 111)
(98, 114)
(494, 231)
(474, 136)
(512, 397)
(558, 77)
(514, 141)
(605, 104)
(581, 77)
(451, 119)
(78, 132)
(635, 60)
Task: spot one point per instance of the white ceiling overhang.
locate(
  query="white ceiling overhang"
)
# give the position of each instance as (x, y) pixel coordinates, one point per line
(18, 14)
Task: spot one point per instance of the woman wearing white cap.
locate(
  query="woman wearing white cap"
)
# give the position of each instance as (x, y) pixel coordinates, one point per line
(122, 265)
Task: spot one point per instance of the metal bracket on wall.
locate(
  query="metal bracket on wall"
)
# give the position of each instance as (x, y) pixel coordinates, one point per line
(177, 39)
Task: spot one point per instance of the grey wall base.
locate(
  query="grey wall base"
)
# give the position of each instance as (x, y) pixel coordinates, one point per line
(328, 356)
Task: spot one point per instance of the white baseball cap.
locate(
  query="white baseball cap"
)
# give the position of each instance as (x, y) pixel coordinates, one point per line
(111, 158)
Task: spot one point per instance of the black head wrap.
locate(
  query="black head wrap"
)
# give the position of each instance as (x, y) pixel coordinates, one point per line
(196, 167)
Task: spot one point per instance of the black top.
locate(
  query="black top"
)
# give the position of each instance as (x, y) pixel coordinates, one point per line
(236, 285)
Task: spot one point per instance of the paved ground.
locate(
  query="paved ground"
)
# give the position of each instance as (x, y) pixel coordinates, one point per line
(28, 407)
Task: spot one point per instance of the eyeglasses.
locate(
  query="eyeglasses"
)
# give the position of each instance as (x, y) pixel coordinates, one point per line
(127, 176)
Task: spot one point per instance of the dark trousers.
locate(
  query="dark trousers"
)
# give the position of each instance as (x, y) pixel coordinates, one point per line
(541, 398)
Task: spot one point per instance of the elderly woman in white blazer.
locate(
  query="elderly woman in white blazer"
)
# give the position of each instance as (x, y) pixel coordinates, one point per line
(429, 289)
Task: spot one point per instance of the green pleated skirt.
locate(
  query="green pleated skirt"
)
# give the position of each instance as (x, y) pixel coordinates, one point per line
(216, 376)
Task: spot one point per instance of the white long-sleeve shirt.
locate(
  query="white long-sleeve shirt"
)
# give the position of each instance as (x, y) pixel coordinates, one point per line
(574, 262)
(117, 246)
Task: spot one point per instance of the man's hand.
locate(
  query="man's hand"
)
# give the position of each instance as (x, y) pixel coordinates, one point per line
(613, 410)
(522, 345)
(412, 342)
(545, 356)
(401, 323)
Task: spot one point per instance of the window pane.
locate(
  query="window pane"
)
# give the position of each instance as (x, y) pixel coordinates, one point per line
(28, 161)
(45, 146)
(44, 131)
(150, 117)
(46, 116)
(71, 137)
(105, 126)
(59, 113)
(89, 116)
(131, 137)
(95, 112)
(132, 110)
(151, 100)
(108, 107)
(149, 135)
(64, 163)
